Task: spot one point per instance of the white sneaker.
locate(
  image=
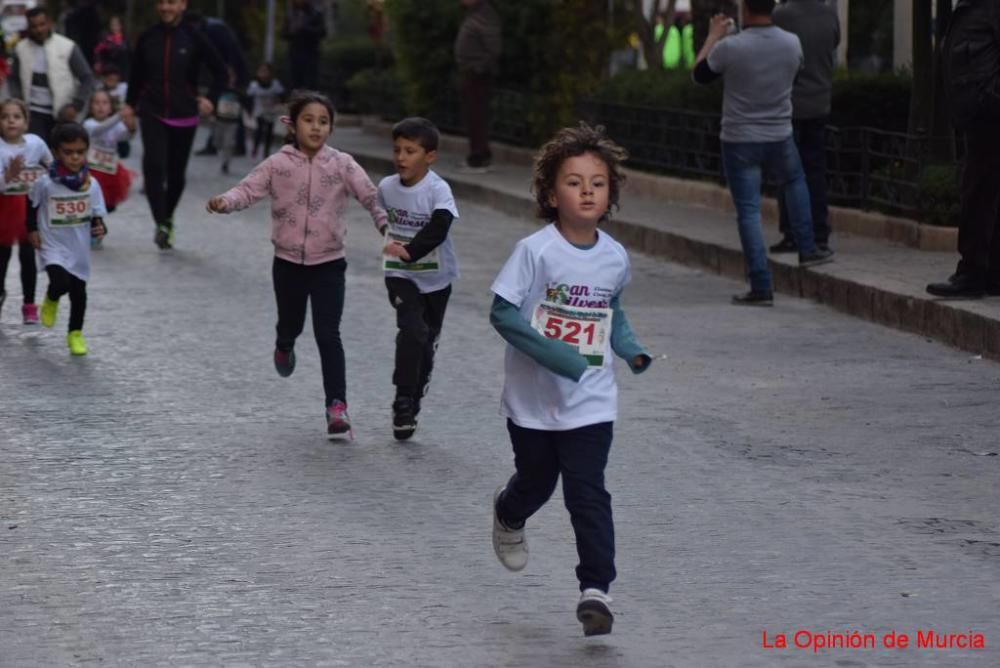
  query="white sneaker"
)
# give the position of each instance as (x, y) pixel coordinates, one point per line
(510, 545)
(594, 613)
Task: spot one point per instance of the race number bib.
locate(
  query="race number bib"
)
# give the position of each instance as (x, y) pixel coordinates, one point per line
(429, 262)
(587, 329)
(228, 107)
(22, 184)
(102, 159)
(69, 210)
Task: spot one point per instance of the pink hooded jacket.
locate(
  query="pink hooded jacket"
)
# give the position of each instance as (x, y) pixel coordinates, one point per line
(308, 201)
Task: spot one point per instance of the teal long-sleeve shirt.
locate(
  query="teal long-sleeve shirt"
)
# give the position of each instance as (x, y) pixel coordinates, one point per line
(557, 356)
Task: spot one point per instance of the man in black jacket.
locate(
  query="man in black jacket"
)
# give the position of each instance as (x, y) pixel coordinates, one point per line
(972, 74)
(163, 87)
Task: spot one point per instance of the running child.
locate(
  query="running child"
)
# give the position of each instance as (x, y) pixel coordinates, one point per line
(420, 262)
(558, 305)
(308, 183)
(111, 81)
(266, 93)
(107, 128)
(228, 112)
(66, 209)
(24, 157)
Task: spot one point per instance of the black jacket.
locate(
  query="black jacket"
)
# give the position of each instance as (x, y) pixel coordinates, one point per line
(165, 66)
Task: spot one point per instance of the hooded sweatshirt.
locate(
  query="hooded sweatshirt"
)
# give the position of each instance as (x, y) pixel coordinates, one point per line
(308, 201)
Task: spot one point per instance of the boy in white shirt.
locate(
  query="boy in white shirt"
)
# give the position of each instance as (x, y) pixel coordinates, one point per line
(66, 209)
(420, 262)
(557, 304)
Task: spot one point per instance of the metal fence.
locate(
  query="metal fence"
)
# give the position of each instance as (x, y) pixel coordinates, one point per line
(866, 168)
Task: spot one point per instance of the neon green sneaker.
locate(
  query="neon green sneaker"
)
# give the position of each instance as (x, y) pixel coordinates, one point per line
(50, 309)
(77, 344)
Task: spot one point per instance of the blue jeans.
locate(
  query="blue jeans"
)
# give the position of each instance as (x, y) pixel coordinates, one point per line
(745, 164)
(579, 455)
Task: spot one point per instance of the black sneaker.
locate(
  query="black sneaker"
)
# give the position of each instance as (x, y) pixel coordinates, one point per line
(786, 245)
(959, 286)
(164, 237)
(284, 362)
(404, 422)
(208, 150)
(817, 257)
(754, 298)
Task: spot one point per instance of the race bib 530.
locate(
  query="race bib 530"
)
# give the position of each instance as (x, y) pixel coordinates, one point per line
(67, 210)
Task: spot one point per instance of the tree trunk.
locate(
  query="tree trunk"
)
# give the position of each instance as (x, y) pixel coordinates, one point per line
(921, 101)
(943, 136)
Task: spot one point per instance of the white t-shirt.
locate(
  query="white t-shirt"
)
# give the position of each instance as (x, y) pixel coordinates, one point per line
(409, 210)
(104, 138)
(37, 156)
(545, 270)
(265, 98)
(64, 217)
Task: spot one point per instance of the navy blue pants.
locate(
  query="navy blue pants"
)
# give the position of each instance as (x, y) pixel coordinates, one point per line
(580, 455)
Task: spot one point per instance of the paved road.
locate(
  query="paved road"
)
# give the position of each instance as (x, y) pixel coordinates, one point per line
(170, 501)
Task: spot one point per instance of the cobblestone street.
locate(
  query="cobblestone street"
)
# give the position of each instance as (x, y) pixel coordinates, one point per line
(168, 500)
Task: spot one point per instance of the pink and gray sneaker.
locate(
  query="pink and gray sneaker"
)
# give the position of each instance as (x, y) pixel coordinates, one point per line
(338, 422)
(29, 314)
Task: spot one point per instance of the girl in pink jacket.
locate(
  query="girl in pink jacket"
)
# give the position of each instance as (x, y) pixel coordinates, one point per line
(308, 183)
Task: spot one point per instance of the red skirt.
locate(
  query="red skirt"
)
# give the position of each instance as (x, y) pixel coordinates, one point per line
(13, 219)
(115, 186)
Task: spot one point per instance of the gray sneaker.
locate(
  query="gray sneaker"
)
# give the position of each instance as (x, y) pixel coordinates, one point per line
(510, 545)
(594, 613)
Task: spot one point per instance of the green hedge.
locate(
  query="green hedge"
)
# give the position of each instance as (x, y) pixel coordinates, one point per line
(341, 59)
(877, 101)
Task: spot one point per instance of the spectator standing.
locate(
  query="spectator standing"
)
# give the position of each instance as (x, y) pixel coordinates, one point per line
(817, 26)
(50, 73)
(222, 37)
(112, 49)
(972, 76)
(304, 30)
(758, 67)
(477, 54)
(83, 26)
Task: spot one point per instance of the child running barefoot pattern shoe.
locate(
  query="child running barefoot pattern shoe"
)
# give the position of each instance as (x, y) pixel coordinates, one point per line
(50, 309)
(594, 613)
(76, 343)
(404, 422)
(510, 545)
(29, 314)
(284, 362)
(337, 421)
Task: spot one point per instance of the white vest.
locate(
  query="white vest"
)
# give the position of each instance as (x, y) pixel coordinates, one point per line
(58, 51)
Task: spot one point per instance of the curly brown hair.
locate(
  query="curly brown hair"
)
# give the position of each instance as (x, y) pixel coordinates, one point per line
(570, 143)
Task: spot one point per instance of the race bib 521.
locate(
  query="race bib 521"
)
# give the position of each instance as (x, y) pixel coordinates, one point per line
(586, 329)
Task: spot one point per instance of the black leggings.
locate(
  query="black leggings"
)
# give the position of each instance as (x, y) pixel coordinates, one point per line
(166, 150)
(29, 272)
(61, 282)
(295, 285)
